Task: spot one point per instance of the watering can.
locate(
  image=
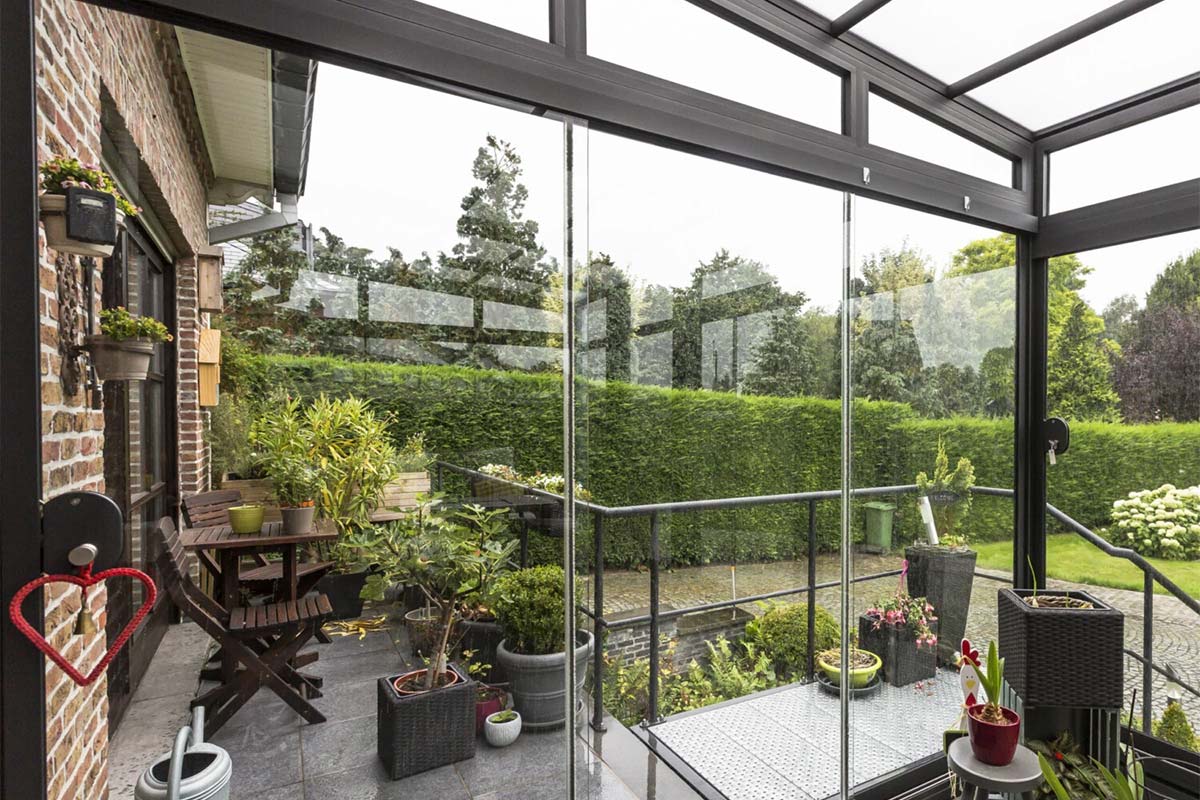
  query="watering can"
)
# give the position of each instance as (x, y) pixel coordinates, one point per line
(193, 770)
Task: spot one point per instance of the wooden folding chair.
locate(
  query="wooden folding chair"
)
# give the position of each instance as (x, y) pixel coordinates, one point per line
(263, 639)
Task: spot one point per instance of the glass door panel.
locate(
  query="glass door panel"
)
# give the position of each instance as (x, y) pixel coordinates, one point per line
(932, 322)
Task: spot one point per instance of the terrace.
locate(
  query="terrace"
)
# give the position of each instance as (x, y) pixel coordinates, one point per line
(549, 400)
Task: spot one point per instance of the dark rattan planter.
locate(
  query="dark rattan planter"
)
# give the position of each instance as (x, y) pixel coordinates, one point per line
(944, 576)
(1062, 657)
(422, 731)
(903, 661)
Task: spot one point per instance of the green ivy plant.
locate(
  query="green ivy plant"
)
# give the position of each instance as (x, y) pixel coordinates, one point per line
(958, 482)
(119, 325)
(59, 174)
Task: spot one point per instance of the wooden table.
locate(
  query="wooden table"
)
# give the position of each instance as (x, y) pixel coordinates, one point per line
(230, 547)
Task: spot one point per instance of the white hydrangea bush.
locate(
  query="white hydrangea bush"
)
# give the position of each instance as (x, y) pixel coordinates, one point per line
(1162, 522)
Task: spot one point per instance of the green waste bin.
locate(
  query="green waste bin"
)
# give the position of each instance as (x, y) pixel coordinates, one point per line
(879, 526)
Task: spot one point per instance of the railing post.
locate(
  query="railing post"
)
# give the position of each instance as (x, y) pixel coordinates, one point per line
(1147, 650)
(653, 710)
(438, 477)
(812, 585)
(598, 622)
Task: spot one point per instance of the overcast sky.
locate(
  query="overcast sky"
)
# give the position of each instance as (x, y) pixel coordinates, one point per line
(390, 162)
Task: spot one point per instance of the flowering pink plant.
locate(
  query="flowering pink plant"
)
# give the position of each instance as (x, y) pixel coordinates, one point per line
(61, 173)
(903, 611)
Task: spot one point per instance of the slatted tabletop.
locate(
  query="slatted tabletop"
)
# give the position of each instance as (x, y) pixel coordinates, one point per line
(222, 537)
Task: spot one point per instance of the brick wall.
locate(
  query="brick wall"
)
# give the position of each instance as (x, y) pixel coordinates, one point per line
(89, 60)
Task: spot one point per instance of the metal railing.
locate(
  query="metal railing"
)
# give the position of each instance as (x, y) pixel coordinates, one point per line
(656, 617)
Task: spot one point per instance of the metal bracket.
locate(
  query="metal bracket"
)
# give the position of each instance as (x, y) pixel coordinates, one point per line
(80, 528)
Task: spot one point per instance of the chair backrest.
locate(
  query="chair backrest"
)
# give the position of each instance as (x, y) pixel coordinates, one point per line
(173, 575)
(210, 508)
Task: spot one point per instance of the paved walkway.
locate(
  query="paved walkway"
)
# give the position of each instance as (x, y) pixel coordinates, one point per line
(1176, 627)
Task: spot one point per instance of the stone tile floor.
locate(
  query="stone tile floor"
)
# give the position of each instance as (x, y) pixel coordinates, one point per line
(277, 756)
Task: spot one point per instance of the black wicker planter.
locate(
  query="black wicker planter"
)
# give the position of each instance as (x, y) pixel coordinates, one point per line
(422, 731)
(1059, 656)
(903, 661)
(481, 637)
(343, 590)
(944, 576)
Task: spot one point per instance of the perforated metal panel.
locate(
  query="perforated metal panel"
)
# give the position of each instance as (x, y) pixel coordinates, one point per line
(785, 744)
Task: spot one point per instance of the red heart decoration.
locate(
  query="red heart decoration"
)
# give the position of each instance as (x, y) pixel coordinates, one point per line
(83, 581)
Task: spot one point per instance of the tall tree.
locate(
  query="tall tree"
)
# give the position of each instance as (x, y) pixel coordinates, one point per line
(1079, 385)
(1178, 284)
(784, 363)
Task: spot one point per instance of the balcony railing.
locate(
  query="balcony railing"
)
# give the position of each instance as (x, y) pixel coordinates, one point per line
(655, 617)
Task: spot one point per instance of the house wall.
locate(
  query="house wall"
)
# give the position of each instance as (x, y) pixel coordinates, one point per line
(86, 54)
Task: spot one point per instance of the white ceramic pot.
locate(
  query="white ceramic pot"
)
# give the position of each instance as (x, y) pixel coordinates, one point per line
(501, 734)
(53, 211)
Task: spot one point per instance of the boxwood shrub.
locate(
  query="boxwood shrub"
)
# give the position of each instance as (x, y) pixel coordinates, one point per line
(781, 632)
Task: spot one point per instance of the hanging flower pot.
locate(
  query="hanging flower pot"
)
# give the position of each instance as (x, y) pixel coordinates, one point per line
(120, 359)
(58, 176)
(53, 209)
(125, 346)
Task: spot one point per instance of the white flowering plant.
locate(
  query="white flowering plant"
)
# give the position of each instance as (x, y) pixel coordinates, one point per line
(1162, 522)
(547, 482)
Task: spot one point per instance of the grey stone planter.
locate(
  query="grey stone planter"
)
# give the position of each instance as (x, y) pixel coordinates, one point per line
(298, 521)
(538, 683)
(124, 360)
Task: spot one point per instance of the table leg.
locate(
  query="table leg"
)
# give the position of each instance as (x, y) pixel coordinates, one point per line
(289, 573)
(229, 599)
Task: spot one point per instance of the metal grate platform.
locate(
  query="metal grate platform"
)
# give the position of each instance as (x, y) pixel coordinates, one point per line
(783, 744)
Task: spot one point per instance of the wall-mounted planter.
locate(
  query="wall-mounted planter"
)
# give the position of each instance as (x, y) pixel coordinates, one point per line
(53, 208)
(123, 360)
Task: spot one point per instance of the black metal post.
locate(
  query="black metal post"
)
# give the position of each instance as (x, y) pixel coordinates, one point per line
(1147, 650)
(653, 710)
(598, 623)
(1029, 545)
(438, 476)
(812, 585)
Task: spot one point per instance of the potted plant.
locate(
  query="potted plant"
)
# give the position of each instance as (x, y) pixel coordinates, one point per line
(944, 572)
(296, 485)
(1065, 648)
(863, 666)
(125, 345)
(502, 728)
(246, 519)
(426, 720)
(488, 698)
(530, 608)
(59, 174)
(902, 631)
(993, 728)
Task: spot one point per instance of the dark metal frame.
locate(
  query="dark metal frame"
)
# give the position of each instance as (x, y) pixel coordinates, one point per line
(22, 672)
(419, 43)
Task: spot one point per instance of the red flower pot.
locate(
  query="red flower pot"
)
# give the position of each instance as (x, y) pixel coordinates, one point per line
(993, 743)
(488, 702)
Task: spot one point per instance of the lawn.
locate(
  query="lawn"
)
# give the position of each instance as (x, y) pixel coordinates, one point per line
(1070, 558)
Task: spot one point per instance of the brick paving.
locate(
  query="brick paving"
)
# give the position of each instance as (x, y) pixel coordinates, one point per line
(1176, 627)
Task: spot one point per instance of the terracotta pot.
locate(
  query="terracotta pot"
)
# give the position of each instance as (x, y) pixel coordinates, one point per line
(990, 742)
(412, 682)
(123, 360)
(53, 212)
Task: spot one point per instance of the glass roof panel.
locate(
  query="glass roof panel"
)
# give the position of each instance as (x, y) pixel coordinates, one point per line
(951, 39)
(1156, 153)
(1150, 48)
(680, 42)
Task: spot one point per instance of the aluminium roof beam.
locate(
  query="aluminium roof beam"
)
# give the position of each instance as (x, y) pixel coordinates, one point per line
(855, 14)
(1085, 27)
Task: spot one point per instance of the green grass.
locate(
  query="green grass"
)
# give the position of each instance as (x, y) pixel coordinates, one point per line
(1070, 558)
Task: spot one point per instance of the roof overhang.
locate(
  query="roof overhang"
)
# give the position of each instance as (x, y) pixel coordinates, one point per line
(255, 109)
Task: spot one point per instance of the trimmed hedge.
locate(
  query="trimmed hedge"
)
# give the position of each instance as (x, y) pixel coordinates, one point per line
(642, 444)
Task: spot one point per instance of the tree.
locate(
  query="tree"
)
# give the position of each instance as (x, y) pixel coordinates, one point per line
(783, 363)
(608, 287)
(1120, 318)
(1178, 284)
(1078, 385)
(1158, 374)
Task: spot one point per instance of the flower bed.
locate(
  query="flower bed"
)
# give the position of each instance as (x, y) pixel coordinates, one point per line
(1162, 522)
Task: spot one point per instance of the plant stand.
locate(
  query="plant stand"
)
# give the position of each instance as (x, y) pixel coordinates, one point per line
(420, 732)
(944, 576)
(1062, 657)
(903, 661)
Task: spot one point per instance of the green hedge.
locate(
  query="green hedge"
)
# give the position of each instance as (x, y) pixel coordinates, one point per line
(639, 444)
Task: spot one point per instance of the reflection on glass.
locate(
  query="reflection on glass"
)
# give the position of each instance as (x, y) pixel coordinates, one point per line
(1124, 370)
(933, 318)
(390, 303)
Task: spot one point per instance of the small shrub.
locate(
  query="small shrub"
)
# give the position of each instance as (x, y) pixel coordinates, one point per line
(1173, 727)
(1162, 522)
(528, 605)
(781, 634)
(119, 325)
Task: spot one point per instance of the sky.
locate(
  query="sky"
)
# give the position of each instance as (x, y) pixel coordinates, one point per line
(659, 213)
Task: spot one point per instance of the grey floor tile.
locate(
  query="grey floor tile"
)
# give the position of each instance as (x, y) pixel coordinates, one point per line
(293, 792)
(349, 646)
(372, 784)
(265, 715)
(261, 763)
(336, 746)
(147, 730)
(366, 666)
(341, 701)
(534, 756)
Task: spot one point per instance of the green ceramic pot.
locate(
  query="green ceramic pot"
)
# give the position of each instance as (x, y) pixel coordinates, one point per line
(246, 519)
(858, 677)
